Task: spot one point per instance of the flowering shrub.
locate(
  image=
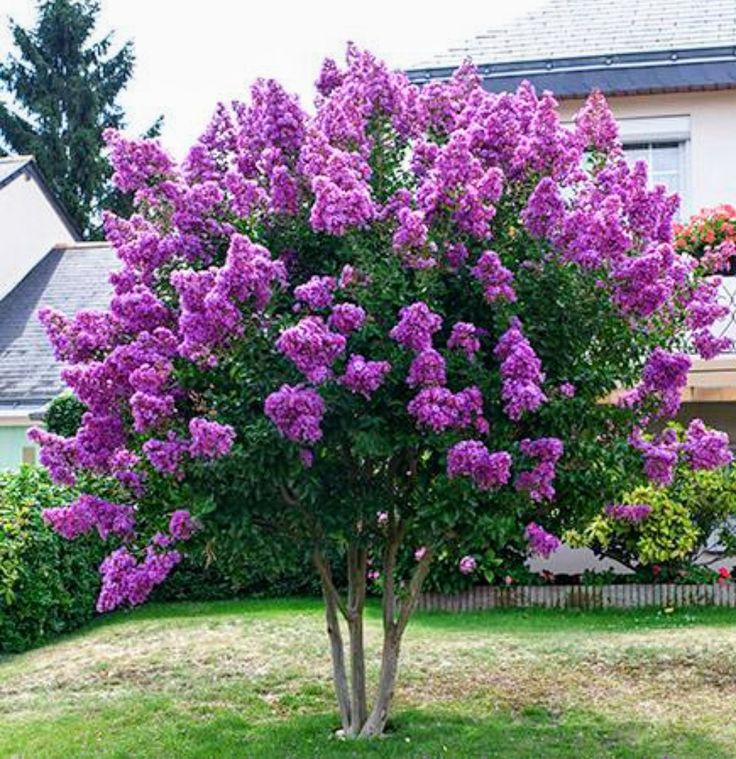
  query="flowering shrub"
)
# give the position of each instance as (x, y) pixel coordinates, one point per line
(669, 527)
(386, 326)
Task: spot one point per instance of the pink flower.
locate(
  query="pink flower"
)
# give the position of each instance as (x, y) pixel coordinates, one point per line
(420, 553)
(467, 565)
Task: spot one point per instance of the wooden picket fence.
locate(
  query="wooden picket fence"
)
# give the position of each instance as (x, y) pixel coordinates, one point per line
(581, 597)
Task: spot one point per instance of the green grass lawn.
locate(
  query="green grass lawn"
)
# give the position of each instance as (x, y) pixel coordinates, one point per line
(251, 679)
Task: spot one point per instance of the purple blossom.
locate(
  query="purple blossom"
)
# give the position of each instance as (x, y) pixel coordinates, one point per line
(89, 512)
(125, 580)
(210, 440)
(595, 125)
(521, 373)
(440, 409)
(495, 277)
(538, 481)
(312, 346)
(317, 293)
(165, 455)
(181, 525)
(364, 377)
(541, 543)
(427, 369)
(467, 565)
(705, 448)
(416, 326)
(465, 337)
(297, 413)
(472, 459)
(633, 513)
(660, 455)
(567, 389)
(346, 318)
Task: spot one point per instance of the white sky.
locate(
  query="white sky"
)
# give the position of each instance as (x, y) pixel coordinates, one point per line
(189, 55)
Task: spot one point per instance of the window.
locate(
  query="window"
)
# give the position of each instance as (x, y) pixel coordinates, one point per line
(663, 143)
(665, 163)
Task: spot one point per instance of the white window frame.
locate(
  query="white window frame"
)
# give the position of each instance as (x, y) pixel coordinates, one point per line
(662, 129)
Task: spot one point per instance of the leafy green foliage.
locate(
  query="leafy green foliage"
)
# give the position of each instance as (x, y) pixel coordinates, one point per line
(48, 584)
(64, 415)
(696, 507)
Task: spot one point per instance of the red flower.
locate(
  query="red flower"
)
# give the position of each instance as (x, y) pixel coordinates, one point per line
(725, 573)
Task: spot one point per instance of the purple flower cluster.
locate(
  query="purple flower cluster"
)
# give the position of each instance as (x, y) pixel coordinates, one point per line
(664, 377)
(470, 458)
(297, 413)
(495, 278)
(705, 448)
(467, 565)
(416, 326)
(364, 377)
(125, 580)
(181, 525)
(346, 318)
(440, 409)
(538, 481)
(210, 440)
(595, 126)
(89, 512)
(633, 513)
(660, 455)
(521, 373)
(317, 293)
(209, 300)
(312, 347)
(465, 337)
(541, 543)
(427, 369)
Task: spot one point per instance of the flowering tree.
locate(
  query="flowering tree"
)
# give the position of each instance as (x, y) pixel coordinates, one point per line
(386, 327)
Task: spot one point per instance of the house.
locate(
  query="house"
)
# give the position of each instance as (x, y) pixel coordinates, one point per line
(42, 262)
(668, 71)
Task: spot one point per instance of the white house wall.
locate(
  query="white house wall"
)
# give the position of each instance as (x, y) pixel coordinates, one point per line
(711, 156)
(30, 227)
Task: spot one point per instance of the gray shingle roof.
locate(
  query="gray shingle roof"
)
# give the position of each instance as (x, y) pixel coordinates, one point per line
(576, 28)
(68, 279)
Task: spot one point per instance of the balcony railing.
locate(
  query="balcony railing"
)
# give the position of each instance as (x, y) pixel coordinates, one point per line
(726, 327)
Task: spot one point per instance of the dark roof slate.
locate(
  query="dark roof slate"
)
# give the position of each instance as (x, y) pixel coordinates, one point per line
(68, 279)
(617, 46)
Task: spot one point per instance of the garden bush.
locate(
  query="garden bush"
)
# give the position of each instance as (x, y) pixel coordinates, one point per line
(47, 584)
(666, 525)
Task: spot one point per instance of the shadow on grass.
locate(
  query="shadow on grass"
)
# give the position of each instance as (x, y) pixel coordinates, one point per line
(158, 728)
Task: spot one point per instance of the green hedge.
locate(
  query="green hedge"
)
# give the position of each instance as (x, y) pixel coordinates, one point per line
(48, 585)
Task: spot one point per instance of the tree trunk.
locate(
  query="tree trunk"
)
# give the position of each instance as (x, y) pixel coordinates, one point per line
(376, 722)
(357, 560)
(337, 650)
(351, 697)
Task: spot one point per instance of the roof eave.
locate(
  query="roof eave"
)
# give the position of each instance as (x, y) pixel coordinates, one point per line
(626, 74)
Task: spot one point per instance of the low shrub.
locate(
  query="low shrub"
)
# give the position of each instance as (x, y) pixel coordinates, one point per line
(48, 585)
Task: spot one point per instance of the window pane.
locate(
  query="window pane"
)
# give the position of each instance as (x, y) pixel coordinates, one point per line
(666, 158)
(664, 163)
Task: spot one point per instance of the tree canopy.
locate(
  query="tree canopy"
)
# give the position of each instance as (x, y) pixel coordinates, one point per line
(389, 327)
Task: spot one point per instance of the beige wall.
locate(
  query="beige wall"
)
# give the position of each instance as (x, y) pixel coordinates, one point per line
(30, 228)
(711, 157)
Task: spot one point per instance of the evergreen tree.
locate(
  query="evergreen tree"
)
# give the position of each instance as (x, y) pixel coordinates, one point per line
(58, 93)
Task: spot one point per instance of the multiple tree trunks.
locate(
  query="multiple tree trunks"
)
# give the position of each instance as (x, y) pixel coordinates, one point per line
(630, 596)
